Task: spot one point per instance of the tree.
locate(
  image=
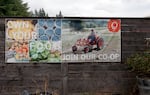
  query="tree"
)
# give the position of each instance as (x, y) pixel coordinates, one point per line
(77, 25)
(39, 13)
(59, 15)
(13, 8)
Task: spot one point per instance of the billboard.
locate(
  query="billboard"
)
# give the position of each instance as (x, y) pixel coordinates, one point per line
(91, 40)
(62, 40)
(33, 40)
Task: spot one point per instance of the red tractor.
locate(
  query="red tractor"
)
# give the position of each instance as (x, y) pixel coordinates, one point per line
(88, 44)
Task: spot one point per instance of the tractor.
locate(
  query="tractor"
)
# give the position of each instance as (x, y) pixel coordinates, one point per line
(88, 44)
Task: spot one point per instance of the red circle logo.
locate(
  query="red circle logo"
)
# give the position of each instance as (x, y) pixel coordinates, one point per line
(114, 25)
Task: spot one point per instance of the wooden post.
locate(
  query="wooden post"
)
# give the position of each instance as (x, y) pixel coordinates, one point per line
(64, 70)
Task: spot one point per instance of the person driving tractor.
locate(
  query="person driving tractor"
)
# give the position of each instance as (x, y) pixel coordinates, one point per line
(92, 42)
(92, 37)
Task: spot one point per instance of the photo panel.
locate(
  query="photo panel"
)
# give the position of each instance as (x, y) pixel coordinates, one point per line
(33, 40)
(91, 40)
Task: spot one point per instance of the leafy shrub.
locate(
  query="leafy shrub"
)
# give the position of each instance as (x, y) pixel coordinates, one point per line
(139, 63)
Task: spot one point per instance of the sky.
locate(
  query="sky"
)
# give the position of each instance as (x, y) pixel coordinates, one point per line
(93, 8)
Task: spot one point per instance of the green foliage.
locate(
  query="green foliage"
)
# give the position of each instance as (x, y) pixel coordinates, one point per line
(13, 8)
(139, 63)
(77, 25)
(91, 25)
(39, 13)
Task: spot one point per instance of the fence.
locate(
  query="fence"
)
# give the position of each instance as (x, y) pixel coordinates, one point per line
(76, 78)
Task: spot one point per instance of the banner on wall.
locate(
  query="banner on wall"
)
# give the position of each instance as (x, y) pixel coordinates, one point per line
(33, 40)
(62, 40)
